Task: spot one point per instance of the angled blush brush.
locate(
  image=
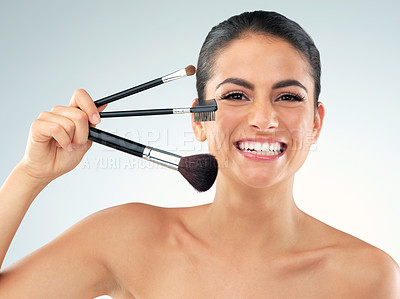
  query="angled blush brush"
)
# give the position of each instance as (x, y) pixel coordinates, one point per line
(187, 71)
(203, 110)
(199, 170)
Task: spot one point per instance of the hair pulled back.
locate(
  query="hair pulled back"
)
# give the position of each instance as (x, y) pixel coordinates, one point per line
(260, 22)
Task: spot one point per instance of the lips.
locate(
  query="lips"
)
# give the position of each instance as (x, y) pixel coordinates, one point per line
(266, 148)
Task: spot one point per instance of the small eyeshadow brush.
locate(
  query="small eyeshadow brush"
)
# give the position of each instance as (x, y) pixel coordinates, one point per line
(190, 70)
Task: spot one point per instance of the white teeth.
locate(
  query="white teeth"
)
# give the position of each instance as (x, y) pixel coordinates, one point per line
(258, 148)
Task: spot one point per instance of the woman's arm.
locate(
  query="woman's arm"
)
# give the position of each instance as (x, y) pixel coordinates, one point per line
(70, 265)
(74, 265)
(16, 195)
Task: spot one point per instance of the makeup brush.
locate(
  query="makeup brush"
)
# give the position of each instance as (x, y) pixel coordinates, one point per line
(204, 110)
(187, 71)
(199, 170)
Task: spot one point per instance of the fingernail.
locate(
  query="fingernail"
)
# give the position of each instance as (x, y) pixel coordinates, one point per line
(96, 118)
(69, 147)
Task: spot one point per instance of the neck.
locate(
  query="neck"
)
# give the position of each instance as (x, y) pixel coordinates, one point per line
(243, 218)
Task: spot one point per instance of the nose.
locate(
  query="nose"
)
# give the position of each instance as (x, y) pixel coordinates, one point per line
(262, 116)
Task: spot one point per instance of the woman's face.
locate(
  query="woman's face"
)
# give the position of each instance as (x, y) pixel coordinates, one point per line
(266, 120)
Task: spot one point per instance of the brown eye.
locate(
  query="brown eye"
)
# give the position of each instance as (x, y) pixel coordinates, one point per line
(235, 96)
(290, 98)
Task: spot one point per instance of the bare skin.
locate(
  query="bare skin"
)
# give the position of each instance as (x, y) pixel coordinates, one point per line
(251, 242)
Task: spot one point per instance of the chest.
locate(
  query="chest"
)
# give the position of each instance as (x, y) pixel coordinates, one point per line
(189, 276)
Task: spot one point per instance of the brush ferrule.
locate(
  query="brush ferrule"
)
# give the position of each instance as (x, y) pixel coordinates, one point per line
(161, 157)
(180, 110)
(173, 76)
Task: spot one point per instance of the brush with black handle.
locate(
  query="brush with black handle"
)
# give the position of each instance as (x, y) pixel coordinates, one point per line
(203, 110)
(199, 170)
(190, 70)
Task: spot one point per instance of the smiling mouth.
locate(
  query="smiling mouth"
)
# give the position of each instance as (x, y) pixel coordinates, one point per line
(261, 148)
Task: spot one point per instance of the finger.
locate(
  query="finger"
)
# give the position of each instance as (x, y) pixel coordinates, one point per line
(80, 121)
(81, 99)
(101, 108)
(43, 131)
(68, 124)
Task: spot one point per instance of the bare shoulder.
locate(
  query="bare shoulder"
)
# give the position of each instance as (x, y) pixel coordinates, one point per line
(138, 220)
(137, 241)
(368, 270)
(134, 225)
(123, 216)
(96, 256)
(363, 269)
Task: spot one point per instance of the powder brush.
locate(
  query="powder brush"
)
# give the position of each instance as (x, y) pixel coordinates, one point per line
(199, 170)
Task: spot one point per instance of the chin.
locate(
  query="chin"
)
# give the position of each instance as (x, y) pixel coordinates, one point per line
(258, 179)
(259, 184)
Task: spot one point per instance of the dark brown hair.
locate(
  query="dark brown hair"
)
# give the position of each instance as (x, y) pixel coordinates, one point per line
(263, 22)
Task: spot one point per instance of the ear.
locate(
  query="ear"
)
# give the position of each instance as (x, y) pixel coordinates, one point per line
(318, 120)
(198, 128)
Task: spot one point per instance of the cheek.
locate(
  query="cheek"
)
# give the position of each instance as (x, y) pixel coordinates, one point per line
(219, 132)
(300, 127)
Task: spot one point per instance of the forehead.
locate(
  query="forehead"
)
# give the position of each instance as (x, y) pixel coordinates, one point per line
(262, 60)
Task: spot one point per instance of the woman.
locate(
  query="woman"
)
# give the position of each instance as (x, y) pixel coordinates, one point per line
(252, 241)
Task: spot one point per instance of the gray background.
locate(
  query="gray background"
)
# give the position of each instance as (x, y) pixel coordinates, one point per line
(50, 48)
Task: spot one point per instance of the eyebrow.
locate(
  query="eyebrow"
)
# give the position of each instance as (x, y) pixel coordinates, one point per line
(289, 82)
(246, 84)
(237, 81)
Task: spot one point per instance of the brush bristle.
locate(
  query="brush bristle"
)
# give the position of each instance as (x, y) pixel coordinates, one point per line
(207, 110)
(199, 170)
(204, 116)
(190, 70)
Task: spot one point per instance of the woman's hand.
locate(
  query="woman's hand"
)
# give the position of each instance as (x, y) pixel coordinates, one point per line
(57, 142)
(58, 139)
